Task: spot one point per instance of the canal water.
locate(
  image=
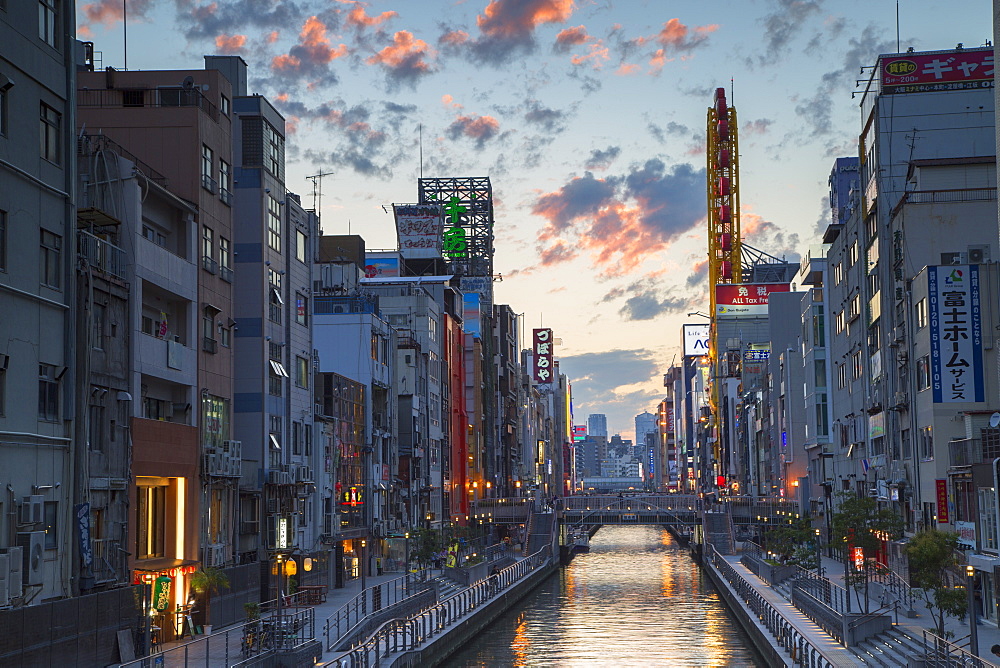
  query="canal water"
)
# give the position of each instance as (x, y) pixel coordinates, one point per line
(637, 599)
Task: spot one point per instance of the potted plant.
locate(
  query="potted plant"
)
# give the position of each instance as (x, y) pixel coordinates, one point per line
(206, 582)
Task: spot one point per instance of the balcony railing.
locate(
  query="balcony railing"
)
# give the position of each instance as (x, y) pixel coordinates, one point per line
(226, 274)
(961, 195)
(147, 97)
(209, 265)
(101, 255)
(965, 452)
(208, 183)
(108, 561)
(226, 196)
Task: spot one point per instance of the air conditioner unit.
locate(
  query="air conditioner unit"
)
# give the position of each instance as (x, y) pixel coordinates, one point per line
(304, 474)
(979, 254)
(33, 545)
(32, 509)
(215, 554)
(272, 506)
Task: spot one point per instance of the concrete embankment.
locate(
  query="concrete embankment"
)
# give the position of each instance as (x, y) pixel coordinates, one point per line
(762, 640)
(446, 644)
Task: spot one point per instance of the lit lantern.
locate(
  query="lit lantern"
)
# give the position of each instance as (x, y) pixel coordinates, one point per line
(307, 564)
(720, 481)
(291, 568)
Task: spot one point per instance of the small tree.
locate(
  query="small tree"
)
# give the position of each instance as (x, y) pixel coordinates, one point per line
(206, 582)
(423, 545)
(931, 555)
(859, 522)
(786, 541)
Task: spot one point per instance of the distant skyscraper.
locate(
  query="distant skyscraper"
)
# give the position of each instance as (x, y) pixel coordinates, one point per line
(597, 425)
(645, 423)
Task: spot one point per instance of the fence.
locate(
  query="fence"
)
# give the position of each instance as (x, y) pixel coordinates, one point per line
(940, 652)
(787, 636)
(404, 635)
(345, 620)
(251, 642)
(78, 631)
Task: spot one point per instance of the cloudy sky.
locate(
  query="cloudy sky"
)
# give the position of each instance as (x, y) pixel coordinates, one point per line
(587, 115)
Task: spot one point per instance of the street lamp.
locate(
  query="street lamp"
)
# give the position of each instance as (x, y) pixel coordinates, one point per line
(819, 557)
(970, 572)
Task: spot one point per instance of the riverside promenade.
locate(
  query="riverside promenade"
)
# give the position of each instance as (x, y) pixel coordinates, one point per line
(794, 638)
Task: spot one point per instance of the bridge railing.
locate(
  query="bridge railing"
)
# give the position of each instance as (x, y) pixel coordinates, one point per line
(675, 502)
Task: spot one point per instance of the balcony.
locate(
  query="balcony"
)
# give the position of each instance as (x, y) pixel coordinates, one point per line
(101, 255)
(226, 274)
(108, 561)
(167, 359)
(209, 184)
(146, 97)
(226, 196)
(209, 345)
(969, 451)
(209, 265)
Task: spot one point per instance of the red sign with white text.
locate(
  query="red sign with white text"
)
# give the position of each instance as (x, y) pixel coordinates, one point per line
(745, 299)
(967, 69)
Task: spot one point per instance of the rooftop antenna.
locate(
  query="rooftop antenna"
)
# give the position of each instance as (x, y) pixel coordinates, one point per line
(420, 135)
(125, 33)
(897, 26)
(317, 180)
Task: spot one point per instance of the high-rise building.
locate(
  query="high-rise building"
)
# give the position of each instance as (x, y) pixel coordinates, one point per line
(597, 425)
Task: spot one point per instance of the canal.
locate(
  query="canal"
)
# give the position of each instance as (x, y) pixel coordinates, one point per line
(636, 599)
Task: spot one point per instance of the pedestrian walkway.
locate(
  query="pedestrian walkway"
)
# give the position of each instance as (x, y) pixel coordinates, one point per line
(989, 634)
(831, 650)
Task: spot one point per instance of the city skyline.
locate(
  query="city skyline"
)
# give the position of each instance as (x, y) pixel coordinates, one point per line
(600, 202)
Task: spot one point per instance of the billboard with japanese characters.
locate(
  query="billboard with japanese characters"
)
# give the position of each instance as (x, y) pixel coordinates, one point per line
(953, 306)
(542, 348)
(963, 69)
(745, 299)
(419, 228)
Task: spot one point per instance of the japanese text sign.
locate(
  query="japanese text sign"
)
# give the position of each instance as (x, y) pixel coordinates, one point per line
(956, 333)
(745, 300)
(941, 486)
(419, 228)
(942, 70)
(542, 348)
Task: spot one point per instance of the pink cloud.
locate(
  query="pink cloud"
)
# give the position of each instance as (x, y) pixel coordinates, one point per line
(507, 19)
(454, 38)
(357, 18)
(313, 49)
(230, 43)
(572, 37)
(405, 51)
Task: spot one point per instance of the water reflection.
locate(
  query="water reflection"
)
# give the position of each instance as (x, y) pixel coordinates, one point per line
(635, 600)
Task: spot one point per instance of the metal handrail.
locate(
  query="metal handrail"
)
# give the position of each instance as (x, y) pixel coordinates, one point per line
(403, 635)
(940, 652)
(784, 632)
(357, 609)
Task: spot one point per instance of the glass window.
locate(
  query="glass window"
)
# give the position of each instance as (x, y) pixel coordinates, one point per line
(923, 373)
(300, 246)
(274, 152)
(48, 393)
(296, 438)
(301, 371)
(927, 442)
(301, 307)
(47, 21)
(215, 420)
(150, 521)
(3, 387)
(920, 313)
(50, 124)
(96, 428)
(988, 518)
(207, 160)
(224, 105)
(273, 224)
(207, 243)
(225, 176)
(225, 254)
(50, 264)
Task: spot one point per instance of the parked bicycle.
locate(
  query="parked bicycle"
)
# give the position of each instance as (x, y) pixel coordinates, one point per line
(256, 639)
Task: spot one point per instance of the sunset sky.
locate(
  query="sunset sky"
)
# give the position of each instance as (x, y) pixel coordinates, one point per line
(589, 118)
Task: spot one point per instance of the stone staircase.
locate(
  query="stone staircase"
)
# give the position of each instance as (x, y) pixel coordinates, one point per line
(891, 649)
(539, 532)
(445, 587)
(719, 531)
